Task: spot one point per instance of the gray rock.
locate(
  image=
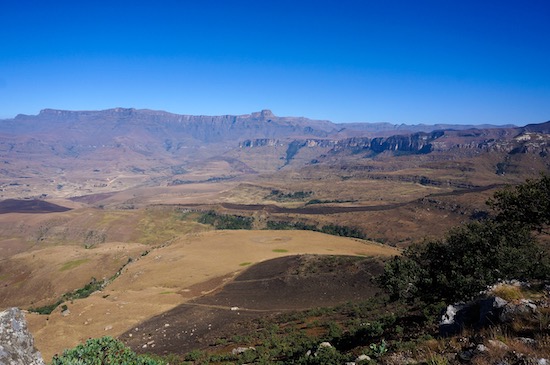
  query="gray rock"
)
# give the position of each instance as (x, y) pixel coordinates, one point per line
(240, 350)
(489, 309)
(449, 322)
(362, 357)
(527, 341)
(465, 356)
(513, 310)
(16, 342)
(481, 348)
(322, 345)
(476, 314)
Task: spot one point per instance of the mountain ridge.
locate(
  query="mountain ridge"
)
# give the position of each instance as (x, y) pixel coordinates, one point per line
(265, 115)
(83, 152)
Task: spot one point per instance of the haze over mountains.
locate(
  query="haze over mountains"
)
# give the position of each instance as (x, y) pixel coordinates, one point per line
(82, 152)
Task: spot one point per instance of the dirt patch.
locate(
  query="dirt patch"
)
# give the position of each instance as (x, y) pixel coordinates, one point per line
(92, 198)
(274, 286)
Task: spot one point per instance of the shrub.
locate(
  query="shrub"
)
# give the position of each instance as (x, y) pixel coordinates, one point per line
(104, 350)
(477, 254)
(343, 231)
(225, 221)
(527, 204)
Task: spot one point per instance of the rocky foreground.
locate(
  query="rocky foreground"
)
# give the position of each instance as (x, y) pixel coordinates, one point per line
(16, 342)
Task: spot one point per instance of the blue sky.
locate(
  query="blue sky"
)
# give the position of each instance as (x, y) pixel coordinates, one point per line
(432, 61)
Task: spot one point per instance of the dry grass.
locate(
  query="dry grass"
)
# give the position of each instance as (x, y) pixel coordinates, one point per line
(512, 349)
(508, 292)
(190, 266)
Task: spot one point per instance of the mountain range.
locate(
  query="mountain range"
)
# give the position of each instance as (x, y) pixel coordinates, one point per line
(82, 152)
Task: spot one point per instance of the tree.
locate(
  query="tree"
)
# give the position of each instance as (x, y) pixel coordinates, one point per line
(477, 254)
(526, 204)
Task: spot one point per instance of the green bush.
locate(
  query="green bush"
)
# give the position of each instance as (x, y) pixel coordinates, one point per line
(84, 292)
(282, 225)
(471, 258)
(292, 196)
(477, 254)
(225, 221)
(331, 229)
(100, 351)
(527, 204)
(343, 231)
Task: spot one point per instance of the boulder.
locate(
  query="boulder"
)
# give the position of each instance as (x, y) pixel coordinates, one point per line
(517, 309)
(476, 314)
(16, 342)
(240, 350)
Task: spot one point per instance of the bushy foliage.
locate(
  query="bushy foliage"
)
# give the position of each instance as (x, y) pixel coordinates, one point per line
(225, 221)
(100, 351)
(343, 231)
(527, 204)
(282, 225)
(331, 229)
(282, 196)
(475, 255)
(80, 293)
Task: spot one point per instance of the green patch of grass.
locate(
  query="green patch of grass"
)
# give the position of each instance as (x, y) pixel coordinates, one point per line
(280, 250)
(72, 264)
(167, 292)
(245, 263)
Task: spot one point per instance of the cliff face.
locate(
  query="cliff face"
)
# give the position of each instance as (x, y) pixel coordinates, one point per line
(148, 133)
(412, 144)
(16, 342)
(104, 126)
(501, 140)
(507, 141)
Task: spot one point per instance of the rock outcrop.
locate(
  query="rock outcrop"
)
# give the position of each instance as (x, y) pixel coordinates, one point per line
(484, 312)
(16, 342)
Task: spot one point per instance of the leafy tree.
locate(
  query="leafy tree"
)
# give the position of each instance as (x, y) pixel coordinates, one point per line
(477, 254)
(527, 204)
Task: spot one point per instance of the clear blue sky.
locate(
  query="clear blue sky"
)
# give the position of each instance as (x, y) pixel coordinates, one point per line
(414, 61)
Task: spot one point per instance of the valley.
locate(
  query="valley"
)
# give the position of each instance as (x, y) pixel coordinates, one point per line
(203, 222)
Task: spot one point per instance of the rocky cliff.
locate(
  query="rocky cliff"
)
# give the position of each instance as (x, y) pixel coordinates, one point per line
(16, 343)
(514, 140)
(107, 124)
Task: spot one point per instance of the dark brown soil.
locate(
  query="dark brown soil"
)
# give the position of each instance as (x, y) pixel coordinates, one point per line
(331, 209)
(92, 198)
(275, 286)
(30, 206)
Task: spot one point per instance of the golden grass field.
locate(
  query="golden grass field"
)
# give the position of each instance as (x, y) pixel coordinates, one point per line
(190, 266)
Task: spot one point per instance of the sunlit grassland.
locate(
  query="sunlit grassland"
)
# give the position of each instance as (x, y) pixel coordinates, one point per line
(158, 226)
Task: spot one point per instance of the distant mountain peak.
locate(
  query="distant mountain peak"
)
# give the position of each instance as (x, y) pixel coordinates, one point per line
(265, 113)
